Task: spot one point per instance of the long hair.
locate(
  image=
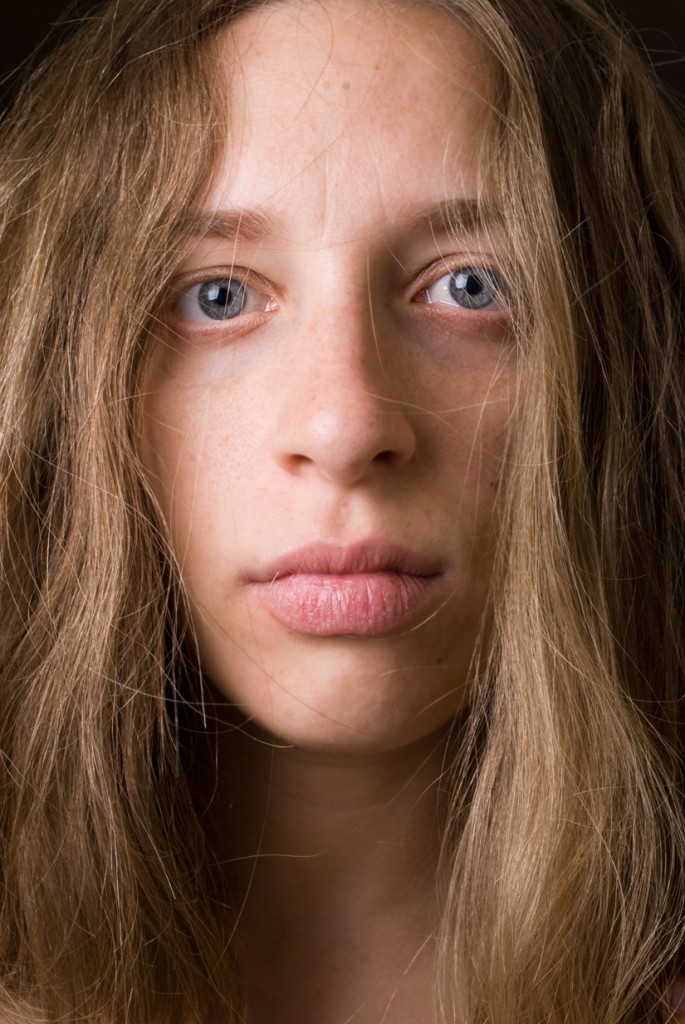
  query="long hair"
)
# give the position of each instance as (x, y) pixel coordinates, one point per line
(563, 865)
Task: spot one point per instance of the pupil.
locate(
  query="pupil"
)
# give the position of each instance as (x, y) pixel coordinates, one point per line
(222, 300)
(473, 289)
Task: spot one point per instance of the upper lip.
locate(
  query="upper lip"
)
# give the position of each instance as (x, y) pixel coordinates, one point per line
(326, 559)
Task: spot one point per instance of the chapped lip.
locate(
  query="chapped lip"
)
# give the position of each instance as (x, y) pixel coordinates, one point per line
(363, 557)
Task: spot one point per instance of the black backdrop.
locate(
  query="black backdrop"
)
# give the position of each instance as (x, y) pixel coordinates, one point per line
(23, 23)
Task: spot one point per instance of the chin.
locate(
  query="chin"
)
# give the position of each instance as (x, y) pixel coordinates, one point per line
(361, 713)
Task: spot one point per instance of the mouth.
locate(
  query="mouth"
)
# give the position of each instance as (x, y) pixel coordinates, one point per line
(366, 589)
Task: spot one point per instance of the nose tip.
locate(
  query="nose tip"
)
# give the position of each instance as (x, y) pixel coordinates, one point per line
(347, 434)
(341, 412)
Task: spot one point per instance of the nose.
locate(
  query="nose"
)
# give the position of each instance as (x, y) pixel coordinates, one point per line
(342, 416)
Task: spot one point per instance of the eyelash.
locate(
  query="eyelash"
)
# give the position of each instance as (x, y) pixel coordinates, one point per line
(467, 285)
(232, 294)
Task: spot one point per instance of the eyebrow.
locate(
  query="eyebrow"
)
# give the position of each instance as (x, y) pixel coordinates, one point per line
(458, 216)
(451, 216)
(229, 224)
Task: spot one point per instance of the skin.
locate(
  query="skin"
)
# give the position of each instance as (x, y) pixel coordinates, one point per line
(344, 406)
(352, 399)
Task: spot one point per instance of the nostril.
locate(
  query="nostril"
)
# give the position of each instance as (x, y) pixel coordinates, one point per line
(343, 432)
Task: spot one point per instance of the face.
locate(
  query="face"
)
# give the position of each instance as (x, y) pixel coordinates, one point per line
(330, 395)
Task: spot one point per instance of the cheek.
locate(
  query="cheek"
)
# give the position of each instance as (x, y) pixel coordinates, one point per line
(197, 445)
(471, 394)
(476, 440)
(207, 440)
(206, 447)
(174, 439)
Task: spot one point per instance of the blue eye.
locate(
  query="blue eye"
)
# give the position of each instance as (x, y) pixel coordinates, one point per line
(469, 288)
(221, 300)
(218, 299)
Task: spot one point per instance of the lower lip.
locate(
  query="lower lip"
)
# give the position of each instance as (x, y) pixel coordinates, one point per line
(361, 604)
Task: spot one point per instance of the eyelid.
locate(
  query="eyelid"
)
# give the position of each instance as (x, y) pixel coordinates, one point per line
(447, 265)
(183, 283)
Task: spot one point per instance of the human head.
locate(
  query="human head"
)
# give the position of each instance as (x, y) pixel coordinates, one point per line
(593, 220)
(352, 403)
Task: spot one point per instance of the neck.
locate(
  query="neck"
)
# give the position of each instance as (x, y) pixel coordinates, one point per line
(328, 851)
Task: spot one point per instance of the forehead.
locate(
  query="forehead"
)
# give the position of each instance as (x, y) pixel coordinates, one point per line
(348, 109)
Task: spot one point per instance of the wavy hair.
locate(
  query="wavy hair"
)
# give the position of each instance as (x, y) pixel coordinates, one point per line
(563, 866)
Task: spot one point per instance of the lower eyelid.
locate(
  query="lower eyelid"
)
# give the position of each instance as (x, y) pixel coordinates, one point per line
(188, 297)
(445, 296)
(258, 301)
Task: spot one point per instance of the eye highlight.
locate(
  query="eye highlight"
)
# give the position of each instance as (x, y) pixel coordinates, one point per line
(218, 299)
(473, 288)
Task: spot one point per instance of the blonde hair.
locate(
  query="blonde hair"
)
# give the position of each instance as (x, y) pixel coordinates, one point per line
(563, 868)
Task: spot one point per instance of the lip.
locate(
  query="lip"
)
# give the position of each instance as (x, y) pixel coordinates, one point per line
(366, 589)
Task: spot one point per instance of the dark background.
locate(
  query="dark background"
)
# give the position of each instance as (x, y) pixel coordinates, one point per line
(660, 25)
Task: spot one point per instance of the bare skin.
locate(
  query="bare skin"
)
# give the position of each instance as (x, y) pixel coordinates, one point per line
(355, 398)
(331, 865)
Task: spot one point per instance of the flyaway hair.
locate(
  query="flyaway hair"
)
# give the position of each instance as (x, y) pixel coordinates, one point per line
(563, 868)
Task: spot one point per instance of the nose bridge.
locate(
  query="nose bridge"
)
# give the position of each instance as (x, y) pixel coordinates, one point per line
(344, 418)
(344, 344)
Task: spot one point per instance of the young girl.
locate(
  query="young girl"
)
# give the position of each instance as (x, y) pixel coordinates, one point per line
(343, 455)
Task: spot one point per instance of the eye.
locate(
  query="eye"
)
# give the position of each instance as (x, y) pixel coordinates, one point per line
(218, 299)
(469, 288)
